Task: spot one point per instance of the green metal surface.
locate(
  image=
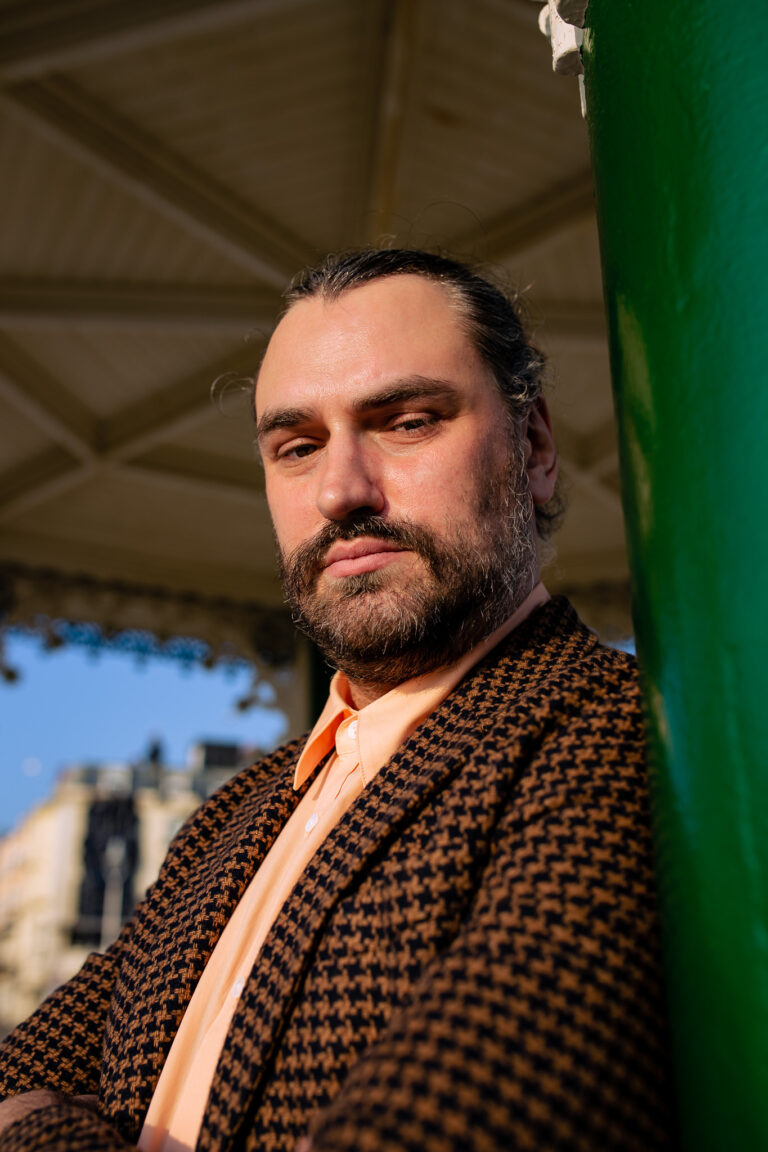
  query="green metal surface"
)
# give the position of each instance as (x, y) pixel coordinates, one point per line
(677, 98)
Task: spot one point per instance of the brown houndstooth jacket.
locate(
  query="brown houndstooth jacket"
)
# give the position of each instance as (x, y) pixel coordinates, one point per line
(470, 961)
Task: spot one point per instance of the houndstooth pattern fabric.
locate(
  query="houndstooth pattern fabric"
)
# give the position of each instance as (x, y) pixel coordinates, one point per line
(469, 961)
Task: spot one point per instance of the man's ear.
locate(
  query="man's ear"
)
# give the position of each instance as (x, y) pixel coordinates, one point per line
(540, 452)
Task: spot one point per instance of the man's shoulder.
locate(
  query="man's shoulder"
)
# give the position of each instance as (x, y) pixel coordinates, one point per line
(553, 648)
(567, 709)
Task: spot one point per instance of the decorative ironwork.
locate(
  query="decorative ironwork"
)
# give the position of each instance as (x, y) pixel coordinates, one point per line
(63, 608)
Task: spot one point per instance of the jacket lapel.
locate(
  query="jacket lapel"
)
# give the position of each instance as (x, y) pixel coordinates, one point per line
(206, 875)
(507, 681)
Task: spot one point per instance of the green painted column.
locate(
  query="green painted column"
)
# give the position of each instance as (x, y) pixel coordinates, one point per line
(677, 99)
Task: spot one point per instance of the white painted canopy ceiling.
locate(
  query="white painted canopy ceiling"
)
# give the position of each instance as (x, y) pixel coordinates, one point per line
(167, 165)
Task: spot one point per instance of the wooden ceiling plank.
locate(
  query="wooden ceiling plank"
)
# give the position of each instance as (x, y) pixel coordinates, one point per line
(572, 570)
(224, 471)
(566, 321)
(587, 456)
(389, 114)
(39, 469)
(139, 428)
(601, 448)
(205, 576)
(176, 409)
(194, 485)
(47, 477)
(543, 216)
(50, 37)
(121, 151)
(585, 479)
(43, 488)
(570, 445)
(45, 401)
(34, 304)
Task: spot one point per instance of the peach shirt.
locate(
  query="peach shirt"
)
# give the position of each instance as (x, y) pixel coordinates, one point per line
(364, 741)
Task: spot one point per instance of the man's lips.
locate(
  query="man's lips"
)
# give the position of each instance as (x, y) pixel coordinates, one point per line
(351, 557)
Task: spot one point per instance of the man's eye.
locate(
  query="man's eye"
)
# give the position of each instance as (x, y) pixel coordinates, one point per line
(414, 423)
(289, 452)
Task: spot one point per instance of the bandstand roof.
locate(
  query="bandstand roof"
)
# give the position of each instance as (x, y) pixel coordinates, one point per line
(167, 166)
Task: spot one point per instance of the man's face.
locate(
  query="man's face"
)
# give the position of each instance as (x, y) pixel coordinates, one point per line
(396, 484)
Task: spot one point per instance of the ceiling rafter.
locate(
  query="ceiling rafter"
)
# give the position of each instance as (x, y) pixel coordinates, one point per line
(603, 565)
(564, 321)
(389, 113)
(196, 484)
(33, 472)
(46, 304)
(589, 458)
(602, 449)
(121, 151)
(241, 581)
(591, 484)
(230, 472)
(537, 219)
(593, 452)
(44, 400)
(41, 485)
(50, 37)
(137, 429)
(176, 408)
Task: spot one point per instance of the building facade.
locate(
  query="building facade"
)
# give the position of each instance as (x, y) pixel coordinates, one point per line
(75, 866)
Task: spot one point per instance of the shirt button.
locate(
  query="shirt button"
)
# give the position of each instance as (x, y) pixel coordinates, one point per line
(353, 730)
(311, 822)
(237, 988)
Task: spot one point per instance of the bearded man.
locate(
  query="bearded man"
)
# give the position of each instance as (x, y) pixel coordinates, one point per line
(431, 925)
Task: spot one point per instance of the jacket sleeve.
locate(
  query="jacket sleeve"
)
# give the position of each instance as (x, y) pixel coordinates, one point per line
(542, 1024)
(63, 1127)
(60, 1045)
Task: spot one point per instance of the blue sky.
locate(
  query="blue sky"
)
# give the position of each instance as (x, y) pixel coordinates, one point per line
(71, 705)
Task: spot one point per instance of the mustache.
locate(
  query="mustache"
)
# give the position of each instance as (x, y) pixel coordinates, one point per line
(305, 562)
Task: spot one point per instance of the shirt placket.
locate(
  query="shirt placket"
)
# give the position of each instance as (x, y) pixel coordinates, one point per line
(345, 767)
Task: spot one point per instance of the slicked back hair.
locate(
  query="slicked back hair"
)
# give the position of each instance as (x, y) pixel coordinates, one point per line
(491, 321)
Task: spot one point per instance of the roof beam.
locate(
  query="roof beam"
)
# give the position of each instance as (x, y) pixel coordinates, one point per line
(122, 152)
(197, 484)
(45, 401)
(40, 480)
(244, 581)
(573, 570)
(139, 428)
(45, 467)
(49, 36)
(565, 322)
(52, 474)
(588, 482)
(588, 458)
(45, 304)
(177, 408)
(233, 475)
(591, 453)
(389, 115)
(535, 220)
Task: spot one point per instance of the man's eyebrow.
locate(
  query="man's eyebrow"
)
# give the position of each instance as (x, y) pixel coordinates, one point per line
(398, 392)
(412, 388)
(276, 418)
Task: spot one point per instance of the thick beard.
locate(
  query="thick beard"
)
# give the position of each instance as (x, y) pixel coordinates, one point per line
(381, 630)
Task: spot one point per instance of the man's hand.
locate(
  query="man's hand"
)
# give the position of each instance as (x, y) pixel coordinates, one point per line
(16, 1107)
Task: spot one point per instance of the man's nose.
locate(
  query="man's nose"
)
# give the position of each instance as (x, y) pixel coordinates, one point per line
(349, 482)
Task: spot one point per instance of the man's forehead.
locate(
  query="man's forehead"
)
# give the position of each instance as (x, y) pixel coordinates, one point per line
(400, 324)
